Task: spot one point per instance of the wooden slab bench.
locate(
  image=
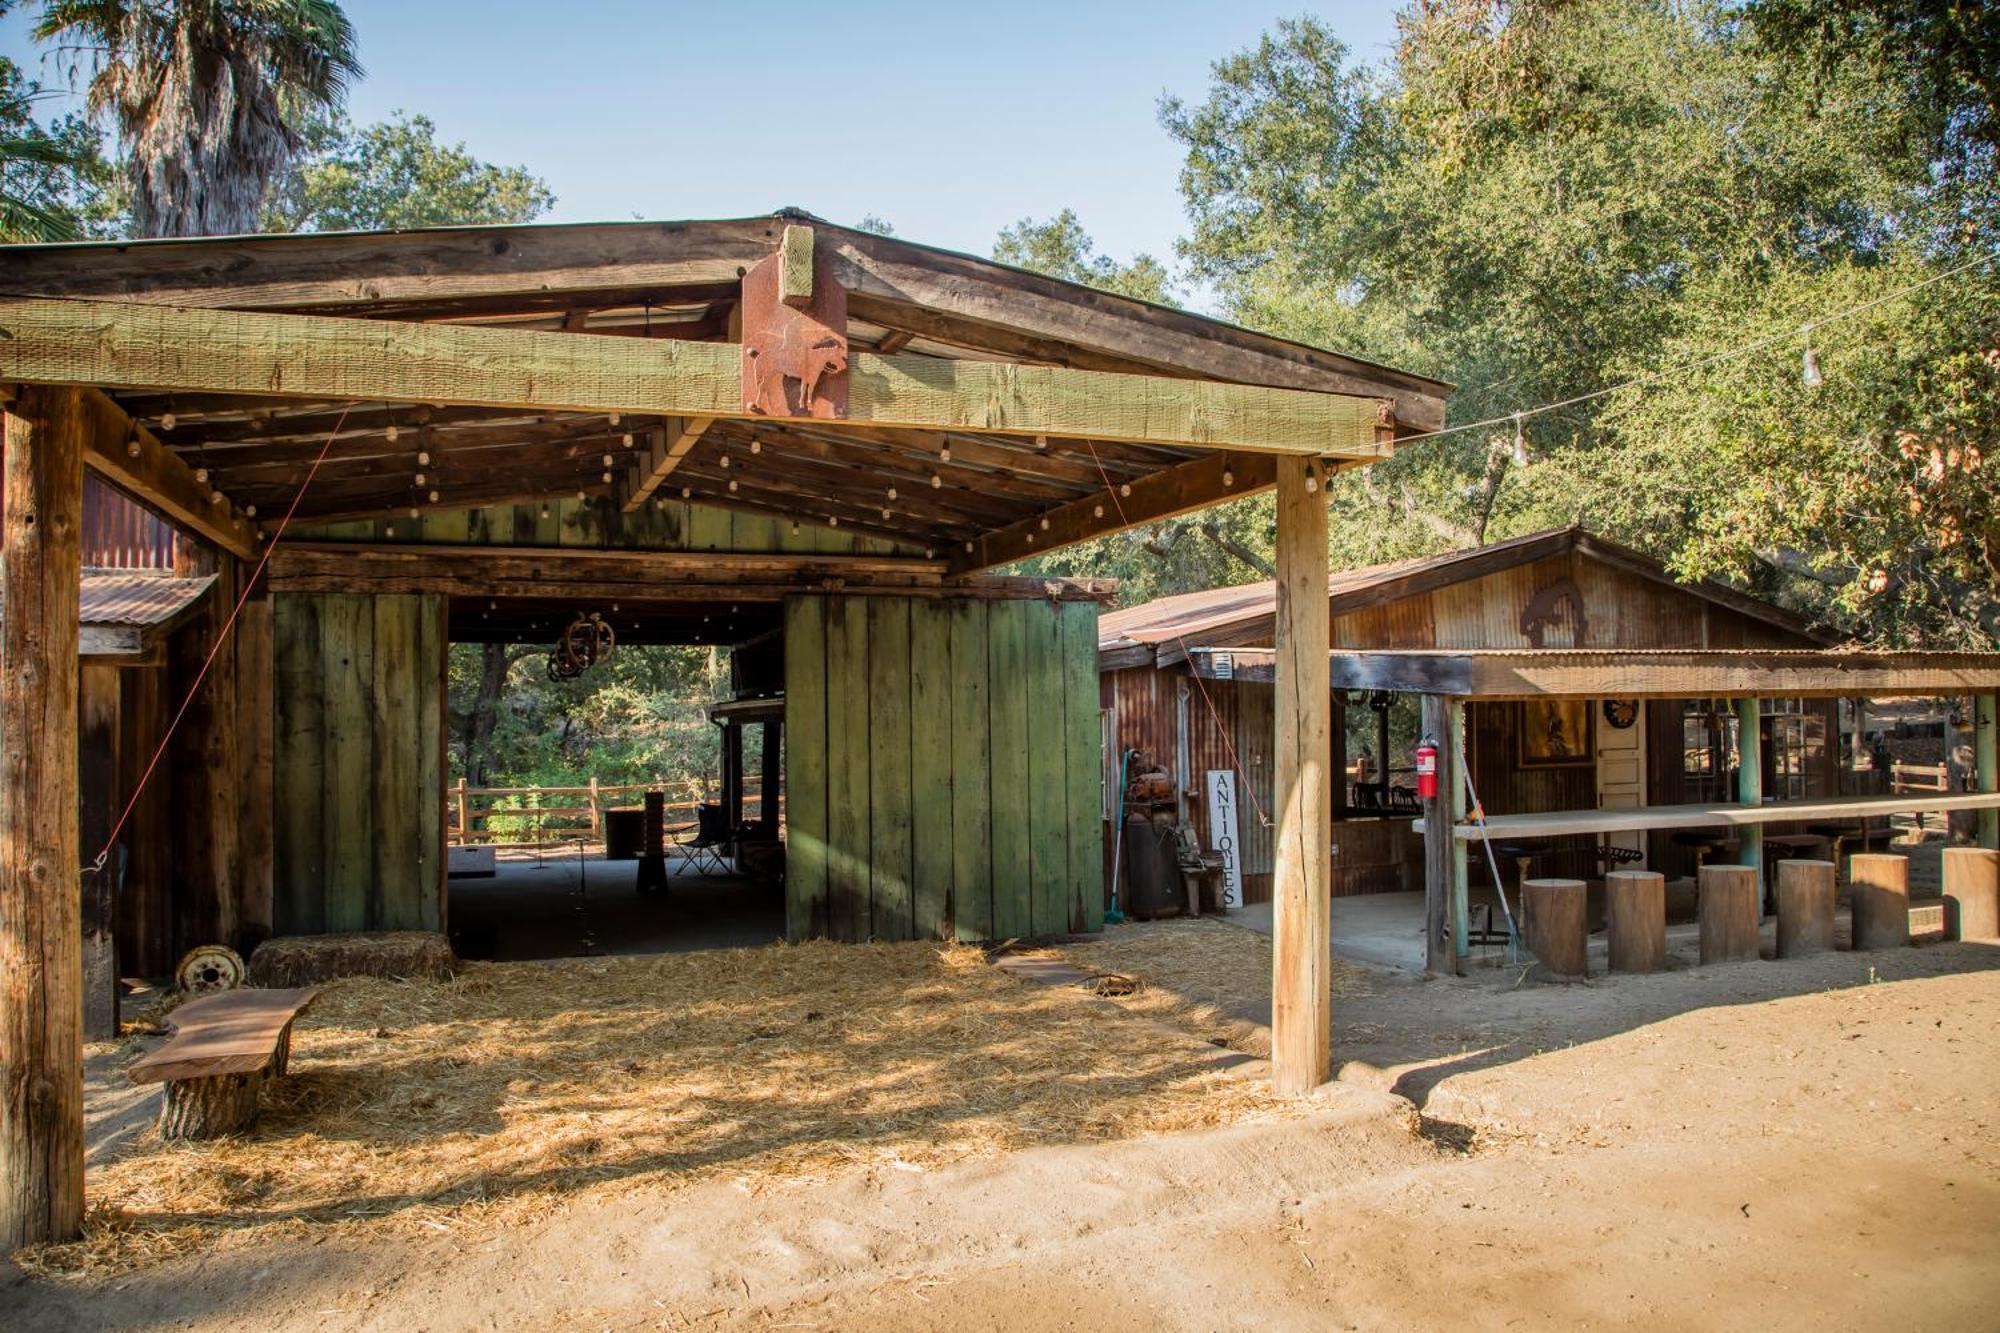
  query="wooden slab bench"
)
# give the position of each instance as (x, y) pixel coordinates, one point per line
(224, 1047)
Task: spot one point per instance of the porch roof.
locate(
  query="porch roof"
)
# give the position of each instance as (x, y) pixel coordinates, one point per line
(1631, 673)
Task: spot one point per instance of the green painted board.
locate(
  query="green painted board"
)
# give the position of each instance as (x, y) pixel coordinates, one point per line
(447, 527)
(429, 685)
(298, 767)
(708, 528)
(930, 767)
(847, 834)
(892, 910)
(1007, 700)
(753, 532)
(347, 627)
(805, 768)
(1048, 783)
(392, 779)
(971, 813)
(1084, 765)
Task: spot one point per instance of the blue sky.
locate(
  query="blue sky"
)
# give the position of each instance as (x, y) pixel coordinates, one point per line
(949, 121)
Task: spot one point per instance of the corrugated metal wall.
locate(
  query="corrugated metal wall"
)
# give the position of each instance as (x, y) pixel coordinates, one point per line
(121, 534)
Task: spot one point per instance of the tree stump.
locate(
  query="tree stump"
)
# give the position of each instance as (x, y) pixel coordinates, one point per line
(1972, 894)
(1635, 920)
(208, 1108)
(1879, 890)
(1552, 921)
(1805, 907)
(1727, 913)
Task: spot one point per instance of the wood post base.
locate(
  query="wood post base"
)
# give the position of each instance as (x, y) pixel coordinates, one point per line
(1972, 894)
(208, 1108)
(1805, 907)
(1552, 919)
(1728, 913)
(1635, 920)
(1880, 894)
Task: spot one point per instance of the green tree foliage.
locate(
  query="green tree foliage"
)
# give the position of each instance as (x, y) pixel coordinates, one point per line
(1061, 248)
(54, 182)
(206, 96)
(396, 174)
(1542, 201)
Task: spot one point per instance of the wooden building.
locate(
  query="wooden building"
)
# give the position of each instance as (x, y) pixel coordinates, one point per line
(386, 442)
(1580, 677)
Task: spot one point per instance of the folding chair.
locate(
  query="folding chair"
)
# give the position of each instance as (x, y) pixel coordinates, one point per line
(704, 851)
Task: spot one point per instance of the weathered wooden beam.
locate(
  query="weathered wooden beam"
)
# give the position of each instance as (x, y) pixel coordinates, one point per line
(41, 935)
(934, 293)
(1205, 481)
(133, 459)
(795, 266)
(120, 345)
(664, 453)
(1302, 876)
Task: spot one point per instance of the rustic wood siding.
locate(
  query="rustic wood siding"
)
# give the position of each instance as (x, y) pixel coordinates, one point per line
(599, 524)
(358, 762)
(943, 768)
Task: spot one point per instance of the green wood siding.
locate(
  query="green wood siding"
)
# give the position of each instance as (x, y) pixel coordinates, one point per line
(942, 768)
(358, 763)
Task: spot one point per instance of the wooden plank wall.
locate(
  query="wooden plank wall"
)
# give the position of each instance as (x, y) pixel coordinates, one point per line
(943, 768)
(358, 770)
(599, 524)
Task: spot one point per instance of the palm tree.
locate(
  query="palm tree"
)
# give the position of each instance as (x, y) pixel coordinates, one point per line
(205, 95)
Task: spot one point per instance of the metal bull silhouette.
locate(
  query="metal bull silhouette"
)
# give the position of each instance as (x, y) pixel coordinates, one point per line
(794, 355)
(1544, 611)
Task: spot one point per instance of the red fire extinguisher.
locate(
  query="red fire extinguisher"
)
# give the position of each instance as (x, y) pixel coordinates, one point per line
(1427, 769)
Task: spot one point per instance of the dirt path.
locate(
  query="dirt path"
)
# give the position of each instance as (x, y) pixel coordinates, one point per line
(1823, 1159)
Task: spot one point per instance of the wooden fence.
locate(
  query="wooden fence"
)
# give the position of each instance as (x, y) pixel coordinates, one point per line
(569, 814)
(1918, 777)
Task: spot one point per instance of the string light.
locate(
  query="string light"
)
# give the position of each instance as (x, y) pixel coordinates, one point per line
(1811, 373)
(732, 485)
(937, 482)
(423, 459)
(725, 460)
(391, 433)
(167, 421)
(833, 520)
(756, 446)
(415, 512)
(892, 492)
(249, 511)
(687, 492)
(944, 454)
(545, 509)
(607, 460)
(614, 418)
(434, 497)
(420, 479)
(627, 438)
(1125, 490)
(1228, 479)
(201, 475)
(1097, 511)
(1045, 525)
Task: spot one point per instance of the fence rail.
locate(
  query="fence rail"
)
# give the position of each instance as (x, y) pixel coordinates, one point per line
(1918, 777)
(469, 811)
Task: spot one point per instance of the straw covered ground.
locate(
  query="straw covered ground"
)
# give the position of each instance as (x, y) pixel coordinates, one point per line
(496, 1096)
(1202, 974)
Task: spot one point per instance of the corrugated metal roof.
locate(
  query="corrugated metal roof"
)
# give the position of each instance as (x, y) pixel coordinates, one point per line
(141, 600)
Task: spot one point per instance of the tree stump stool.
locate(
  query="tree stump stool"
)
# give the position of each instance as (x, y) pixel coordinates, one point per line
(1972, 894)
(1805, 907)
(1879, 891)
(1635, 920)
(1727, 912)
(1553, 926)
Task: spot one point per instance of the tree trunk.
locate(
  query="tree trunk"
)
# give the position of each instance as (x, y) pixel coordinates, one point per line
(208, 1108)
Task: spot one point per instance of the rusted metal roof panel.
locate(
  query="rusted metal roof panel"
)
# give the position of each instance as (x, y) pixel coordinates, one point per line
(138, 600)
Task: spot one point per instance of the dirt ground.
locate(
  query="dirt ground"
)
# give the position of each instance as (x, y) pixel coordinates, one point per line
(1758, 1146)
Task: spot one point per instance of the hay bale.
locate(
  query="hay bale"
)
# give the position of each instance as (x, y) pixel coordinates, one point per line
(304, 960)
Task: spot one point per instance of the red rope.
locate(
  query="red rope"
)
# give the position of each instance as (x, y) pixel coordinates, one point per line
(1214, 714)
(221, 637)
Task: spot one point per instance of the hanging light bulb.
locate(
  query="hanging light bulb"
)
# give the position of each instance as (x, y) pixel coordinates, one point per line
(1520, 443)
(614, 418)
(388, 529)
(1097, 511)
(1312, 481)
(167, 421)
(885, 511)
(201, 475)
(725, 460)
(545, 510)
(944, 454)
(434, 497)
(937, 482)
(607, 460)
(627, 438)
(1228, 478)
(607, 477)
(892, 492)
(420, 479)
(732, 485)
(1045, 525)
(423, 459)
(833, 520)
(249, 511)
(415, 512)
(756, 446)
(968, 548)
(687, 492)
(1125, 489)
(391, 433)
(1812, 376)
(582, 495)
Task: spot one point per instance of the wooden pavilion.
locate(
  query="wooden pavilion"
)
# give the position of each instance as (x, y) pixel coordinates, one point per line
(719, 428)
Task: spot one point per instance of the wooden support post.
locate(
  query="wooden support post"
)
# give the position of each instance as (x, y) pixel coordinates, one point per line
(1554, 926)
(1635, 920)
(1750, 785)
(1440, 951)
(1301, 890)
(1879, 892)
(596, 811)
(100, 796)
(732, 776)
(206, 764)
(1727, 911)
(1986, 763)
(1972, 894)
(770, 765)
(41, 940)
(1461, 854)
(464, 811)
(1806, 890)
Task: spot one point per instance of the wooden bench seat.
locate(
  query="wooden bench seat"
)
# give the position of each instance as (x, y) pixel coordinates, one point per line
(224, 1047)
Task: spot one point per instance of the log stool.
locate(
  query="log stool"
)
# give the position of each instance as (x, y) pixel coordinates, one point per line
(1635, 920)
(1727, 910)
(1552, 923)
(1972, 894)
(1879, 890)
(1806, 891)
